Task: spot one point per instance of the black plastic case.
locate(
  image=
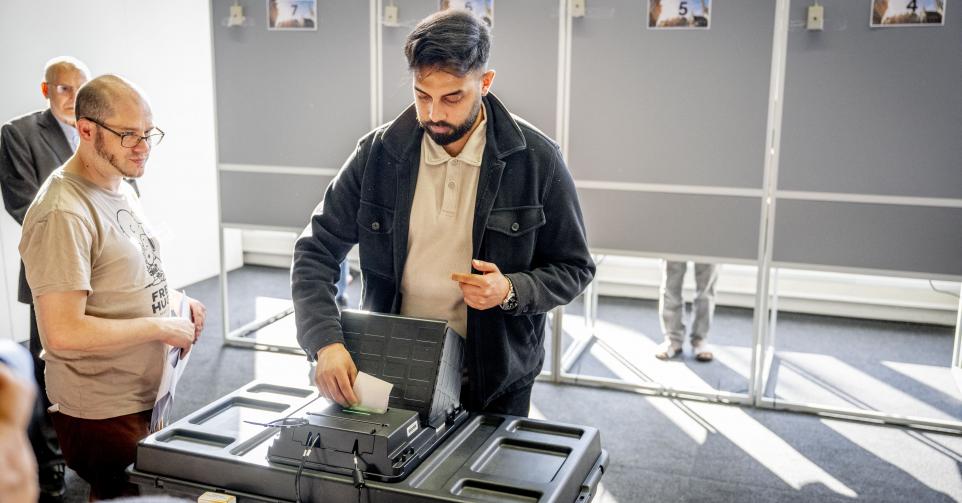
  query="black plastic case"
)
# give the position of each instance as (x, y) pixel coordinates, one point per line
(421, 358)
(488, 457)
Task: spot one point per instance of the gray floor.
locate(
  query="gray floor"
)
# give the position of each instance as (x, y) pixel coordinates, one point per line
(865, 364)
(670, 450)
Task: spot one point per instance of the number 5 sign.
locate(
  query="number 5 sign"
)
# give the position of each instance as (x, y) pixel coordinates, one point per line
(675, 14)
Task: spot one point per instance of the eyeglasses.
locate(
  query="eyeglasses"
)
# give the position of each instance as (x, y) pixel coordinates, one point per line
(64, 89)
(131, 140)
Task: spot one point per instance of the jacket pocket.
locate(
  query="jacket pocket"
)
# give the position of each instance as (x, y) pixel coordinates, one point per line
(516, 221)
(510, 237)
(376, 239)
(375, 219)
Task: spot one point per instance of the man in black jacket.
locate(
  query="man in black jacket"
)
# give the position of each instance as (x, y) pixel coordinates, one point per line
(31, 147)
(476, 223)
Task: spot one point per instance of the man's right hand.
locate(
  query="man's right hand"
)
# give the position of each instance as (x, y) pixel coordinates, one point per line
(177, 332)
(335, 374)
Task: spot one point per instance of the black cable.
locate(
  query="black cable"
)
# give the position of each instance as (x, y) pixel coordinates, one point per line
(308, 447)
(357, 474)
(310, 444)
(297, 479)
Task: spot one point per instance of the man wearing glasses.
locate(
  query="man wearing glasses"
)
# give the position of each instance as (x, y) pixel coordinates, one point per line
(103, 306)
(31, 147)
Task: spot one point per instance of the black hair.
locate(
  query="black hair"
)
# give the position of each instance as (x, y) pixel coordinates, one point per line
(455, 41)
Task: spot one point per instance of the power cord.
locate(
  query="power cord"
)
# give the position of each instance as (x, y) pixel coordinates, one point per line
(946, 292)
(310, 444)
(358, 475)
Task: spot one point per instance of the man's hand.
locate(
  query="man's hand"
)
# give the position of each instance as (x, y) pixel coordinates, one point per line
(335, 374)
(177, 332)
(483, 291)
(18, 479)
(198, 314)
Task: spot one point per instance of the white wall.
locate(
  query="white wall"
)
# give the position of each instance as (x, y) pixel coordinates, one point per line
(165, 48)
(799, 291)
(813, 292)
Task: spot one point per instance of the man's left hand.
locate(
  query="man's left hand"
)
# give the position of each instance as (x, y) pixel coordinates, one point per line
(198, 313)
(482, 291)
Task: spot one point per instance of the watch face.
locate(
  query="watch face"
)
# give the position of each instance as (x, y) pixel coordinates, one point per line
(511, 301)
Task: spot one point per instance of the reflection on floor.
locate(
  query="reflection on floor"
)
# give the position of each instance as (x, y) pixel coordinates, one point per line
(893, 367)
(671, 450)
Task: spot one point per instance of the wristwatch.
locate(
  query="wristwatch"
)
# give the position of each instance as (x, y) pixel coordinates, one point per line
(510, 303)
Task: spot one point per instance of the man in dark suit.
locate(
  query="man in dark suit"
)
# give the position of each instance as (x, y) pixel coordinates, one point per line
(31, 147)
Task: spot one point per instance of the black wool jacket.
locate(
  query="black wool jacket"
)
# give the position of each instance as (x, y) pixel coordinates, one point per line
(527, 221)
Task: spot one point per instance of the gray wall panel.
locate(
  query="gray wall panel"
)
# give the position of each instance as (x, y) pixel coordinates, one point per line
(292, 98)
(270, 199)
(524, 54)
(398, 94)
(677, 107)
(718, 226)
(899, 238)
(872, 111)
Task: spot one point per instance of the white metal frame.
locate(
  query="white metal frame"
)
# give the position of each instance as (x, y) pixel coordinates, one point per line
(766, 302)
(246, 335)
(766, 305)
(957, 347)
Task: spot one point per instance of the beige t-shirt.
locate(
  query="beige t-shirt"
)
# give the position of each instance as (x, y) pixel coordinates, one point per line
(439, 235)
(79, 236)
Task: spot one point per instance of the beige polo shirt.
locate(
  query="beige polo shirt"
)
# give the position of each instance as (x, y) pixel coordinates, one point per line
(79, 236)
(439, 235)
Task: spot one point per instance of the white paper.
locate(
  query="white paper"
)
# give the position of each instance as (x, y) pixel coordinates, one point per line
(174, 366)
(372, 392)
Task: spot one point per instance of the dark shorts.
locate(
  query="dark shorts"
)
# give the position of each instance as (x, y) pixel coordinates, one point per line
(99, 450)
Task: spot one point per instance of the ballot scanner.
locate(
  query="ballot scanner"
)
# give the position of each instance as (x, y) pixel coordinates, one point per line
(281, 442)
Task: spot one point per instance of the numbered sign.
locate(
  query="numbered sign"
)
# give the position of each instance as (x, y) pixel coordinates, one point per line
(892, 13)
(292, 14)
(679, 14)
(484, 9)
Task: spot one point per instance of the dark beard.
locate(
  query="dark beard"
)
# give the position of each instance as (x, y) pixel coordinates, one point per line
(456, 132)
(102, 152)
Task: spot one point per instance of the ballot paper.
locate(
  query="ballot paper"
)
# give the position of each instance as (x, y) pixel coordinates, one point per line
(174, 365)
(372, 392)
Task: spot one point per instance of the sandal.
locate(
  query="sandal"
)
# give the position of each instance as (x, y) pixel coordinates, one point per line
(702, 353)
(667, 351)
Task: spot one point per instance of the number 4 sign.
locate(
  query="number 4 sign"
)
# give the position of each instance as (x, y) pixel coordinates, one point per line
(892, 13)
